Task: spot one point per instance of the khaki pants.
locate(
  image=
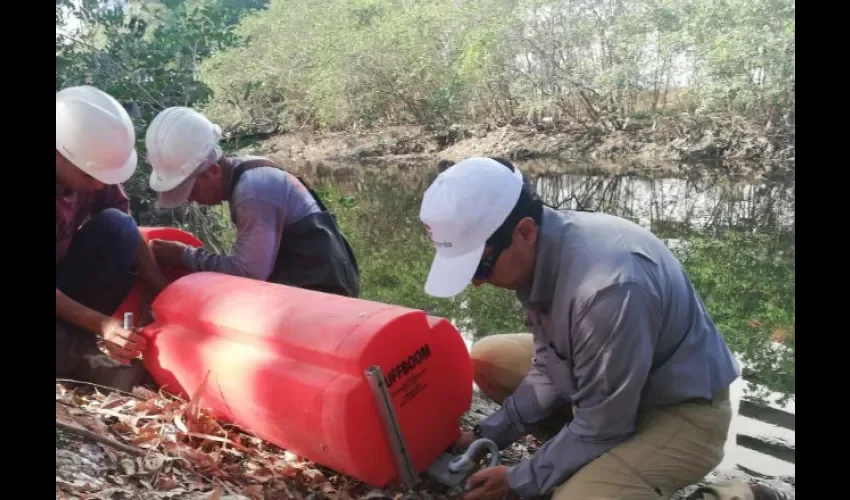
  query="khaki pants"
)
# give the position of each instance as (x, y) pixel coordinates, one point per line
(672, 448)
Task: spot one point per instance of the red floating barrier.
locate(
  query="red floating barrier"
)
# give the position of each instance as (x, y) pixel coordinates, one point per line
(132, 303)
(288, 365)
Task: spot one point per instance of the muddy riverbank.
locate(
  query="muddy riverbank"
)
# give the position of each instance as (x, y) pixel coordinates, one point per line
(651, 146)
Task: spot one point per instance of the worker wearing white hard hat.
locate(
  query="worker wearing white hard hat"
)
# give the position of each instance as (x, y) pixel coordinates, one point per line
(99, 250)
(624, 375)
(284, 234)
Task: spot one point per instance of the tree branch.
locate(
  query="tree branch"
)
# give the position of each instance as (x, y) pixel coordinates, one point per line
(99, 439)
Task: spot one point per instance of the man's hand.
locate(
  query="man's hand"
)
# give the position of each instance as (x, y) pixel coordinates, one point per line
(122, 345)
(489, 484)
(465, 439)
(168, 253)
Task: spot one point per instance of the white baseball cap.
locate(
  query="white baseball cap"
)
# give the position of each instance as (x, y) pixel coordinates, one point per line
(461, 209)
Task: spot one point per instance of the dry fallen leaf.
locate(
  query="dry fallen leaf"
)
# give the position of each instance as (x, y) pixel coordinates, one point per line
(253, 492)
(145, 436)
(144, 393)
(178, 421)
(113, 401)
(189, 454)
(165, 484)
(128, 466)
(153, 461)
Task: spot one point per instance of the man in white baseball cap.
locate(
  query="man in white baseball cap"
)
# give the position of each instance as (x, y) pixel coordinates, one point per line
(99, 251)
(624, 375)
(485, 192)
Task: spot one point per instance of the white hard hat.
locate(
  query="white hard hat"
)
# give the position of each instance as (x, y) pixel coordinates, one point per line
(95, 133)
(179, 141)
(461, 209)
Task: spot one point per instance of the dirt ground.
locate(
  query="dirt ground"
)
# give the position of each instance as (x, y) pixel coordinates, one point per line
(650, 146)
(151, 446)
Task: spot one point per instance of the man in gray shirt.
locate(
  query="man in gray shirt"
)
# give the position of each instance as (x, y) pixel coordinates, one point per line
(623, 365)
(284, 233)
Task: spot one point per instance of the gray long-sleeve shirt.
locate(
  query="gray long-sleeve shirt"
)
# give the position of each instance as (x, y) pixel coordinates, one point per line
(265, 201)
(618, 329)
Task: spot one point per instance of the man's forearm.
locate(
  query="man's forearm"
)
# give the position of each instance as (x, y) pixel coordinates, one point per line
(254, 252)
(148, 268)
(499, 428)
(533, 401)
(529, 405)
(201, 260)
(72, 311)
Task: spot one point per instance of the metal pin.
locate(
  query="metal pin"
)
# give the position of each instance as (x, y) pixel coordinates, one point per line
(404, 464)
(128, 321)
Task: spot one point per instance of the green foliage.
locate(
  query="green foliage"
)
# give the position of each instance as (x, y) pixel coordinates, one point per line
(362, 62)
(749, 52)
(267, 66)
(146, 54)
(747, 281)
(394, 255)
(433, 63)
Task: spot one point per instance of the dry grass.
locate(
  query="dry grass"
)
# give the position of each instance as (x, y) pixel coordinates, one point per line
(185, 453)
(171, 448)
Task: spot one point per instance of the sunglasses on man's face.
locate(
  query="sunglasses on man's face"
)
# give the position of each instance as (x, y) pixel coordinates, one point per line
(485, 267)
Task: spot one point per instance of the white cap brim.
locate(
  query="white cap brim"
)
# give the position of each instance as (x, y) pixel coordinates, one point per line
(177, 196)
(162, 184)
(111, 177)
(449, 275)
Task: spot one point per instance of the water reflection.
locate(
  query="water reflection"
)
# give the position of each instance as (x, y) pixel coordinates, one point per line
(761, 437)
(662, 204)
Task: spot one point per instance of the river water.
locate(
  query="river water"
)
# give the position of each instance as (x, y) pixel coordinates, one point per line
(736, 238)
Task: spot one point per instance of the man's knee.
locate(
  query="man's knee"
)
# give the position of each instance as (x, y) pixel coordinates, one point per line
(118, 229)
(500, 362)
(671, 449)
(119, 226)
(606, 477)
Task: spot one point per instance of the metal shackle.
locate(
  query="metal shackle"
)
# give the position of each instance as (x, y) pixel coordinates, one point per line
(465, 462)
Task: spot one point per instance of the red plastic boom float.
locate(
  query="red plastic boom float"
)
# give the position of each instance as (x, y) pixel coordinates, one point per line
(288, 364)
(133, 301)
